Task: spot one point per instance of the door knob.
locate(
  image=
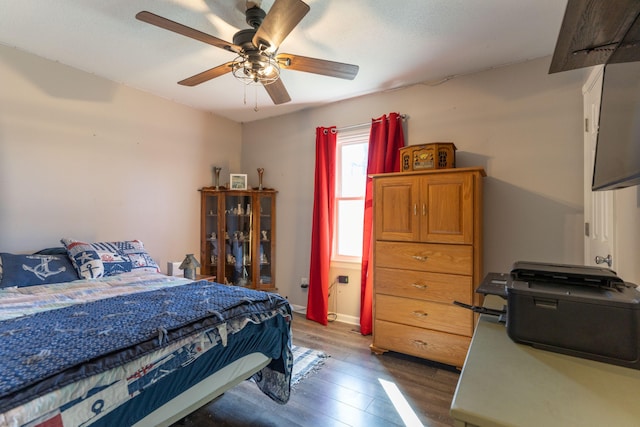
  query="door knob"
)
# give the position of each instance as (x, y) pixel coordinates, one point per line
(603, 260)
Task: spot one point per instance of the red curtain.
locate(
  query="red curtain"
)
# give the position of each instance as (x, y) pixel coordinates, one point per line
(322, 229)
(385, 141)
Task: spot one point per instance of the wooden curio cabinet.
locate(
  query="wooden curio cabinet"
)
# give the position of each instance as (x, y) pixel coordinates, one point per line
(237, 237)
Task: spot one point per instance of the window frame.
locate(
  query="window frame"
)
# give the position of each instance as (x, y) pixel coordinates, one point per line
(353, 136)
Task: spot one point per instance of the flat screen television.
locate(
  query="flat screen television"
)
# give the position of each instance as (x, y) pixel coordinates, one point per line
(617, 158)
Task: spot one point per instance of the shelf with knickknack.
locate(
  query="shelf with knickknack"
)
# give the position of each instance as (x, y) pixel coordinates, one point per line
(237, 242)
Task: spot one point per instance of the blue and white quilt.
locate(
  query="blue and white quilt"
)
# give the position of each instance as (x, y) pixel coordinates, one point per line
(84, 359)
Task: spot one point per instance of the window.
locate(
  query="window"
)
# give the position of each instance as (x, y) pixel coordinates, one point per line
(351, 179)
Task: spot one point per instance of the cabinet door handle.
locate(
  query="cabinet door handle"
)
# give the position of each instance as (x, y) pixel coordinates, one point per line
(415, 285)
(424, 209)
(415, 209)
(419, 313)
(419, 258)
(420, 343)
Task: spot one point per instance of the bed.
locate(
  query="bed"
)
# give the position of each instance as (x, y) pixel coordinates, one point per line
(125, 345)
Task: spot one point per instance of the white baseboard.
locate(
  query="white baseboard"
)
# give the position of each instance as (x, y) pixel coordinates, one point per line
(299, 308)
(344, 318)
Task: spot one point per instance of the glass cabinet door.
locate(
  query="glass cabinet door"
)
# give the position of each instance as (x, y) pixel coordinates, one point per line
(266, 247)
(238, 239)
(211, 228)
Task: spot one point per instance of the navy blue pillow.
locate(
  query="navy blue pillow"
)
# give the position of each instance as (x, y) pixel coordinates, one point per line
(30, 270)
(60, 250)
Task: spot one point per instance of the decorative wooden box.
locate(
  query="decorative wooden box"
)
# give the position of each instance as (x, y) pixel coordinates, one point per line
(437, 155)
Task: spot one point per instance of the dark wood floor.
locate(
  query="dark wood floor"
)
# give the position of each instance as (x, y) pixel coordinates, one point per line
(347, 390)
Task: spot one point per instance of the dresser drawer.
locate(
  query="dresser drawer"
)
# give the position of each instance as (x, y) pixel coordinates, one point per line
(425, 343)
(423, 285)
(437, 258)
(424, 314)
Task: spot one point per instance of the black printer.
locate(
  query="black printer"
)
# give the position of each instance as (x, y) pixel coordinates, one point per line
(581, 311)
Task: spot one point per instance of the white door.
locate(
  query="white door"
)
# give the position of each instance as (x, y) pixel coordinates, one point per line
(598, 205)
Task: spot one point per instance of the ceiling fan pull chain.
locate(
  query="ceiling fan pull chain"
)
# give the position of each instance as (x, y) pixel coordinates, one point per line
(255, 89)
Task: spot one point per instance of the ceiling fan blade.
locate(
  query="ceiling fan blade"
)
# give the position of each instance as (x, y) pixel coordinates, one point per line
(281, 19)
(277, 92)
(167, 24)
(207, 75)
(317, 66)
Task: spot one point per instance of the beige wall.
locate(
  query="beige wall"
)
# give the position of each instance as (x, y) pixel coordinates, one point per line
(521, 124)
(90, 159)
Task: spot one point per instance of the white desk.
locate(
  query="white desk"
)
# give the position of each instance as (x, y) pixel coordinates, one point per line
(508, 384)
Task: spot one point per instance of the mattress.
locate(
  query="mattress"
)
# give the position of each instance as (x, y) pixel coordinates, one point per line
(186, 332)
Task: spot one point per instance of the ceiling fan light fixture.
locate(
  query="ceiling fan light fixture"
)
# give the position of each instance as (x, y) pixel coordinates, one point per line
(256, 69)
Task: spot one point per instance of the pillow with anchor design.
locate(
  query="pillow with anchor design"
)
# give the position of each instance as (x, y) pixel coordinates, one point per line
(101, 259)
(37, 269)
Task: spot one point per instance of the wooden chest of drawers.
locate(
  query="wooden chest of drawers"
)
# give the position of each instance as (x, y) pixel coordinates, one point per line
(427, 254)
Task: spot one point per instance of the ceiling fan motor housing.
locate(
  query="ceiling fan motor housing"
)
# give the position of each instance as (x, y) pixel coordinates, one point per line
(244, 39)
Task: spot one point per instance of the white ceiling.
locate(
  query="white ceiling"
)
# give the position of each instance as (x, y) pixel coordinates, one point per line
(395, 43)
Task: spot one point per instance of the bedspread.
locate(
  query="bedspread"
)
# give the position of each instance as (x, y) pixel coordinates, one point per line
(154, 330)
(17, 302)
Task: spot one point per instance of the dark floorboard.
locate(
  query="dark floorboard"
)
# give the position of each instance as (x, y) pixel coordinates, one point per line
(346, 391)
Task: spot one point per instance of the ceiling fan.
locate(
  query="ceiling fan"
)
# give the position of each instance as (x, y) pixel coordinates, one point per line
(257, 59)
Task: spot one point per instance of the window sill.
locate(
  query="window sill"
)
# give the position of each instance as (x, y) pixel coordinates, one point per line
(346, 263)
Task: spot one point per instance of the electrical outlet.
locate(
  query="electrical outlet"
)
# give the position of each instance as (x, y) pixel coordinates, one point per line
(343, 279)
(304, 282)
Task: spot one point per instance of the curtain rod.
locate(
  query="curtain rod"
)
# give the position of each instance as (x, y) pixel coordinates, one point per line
(401, 116)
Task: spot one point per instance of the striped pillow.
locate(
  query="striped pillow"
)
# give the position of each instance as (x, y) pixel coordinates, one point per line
(93, 260)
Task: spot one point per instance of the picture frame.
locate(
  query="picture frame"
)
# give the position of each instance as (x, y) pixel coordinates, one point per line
(238, 181)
